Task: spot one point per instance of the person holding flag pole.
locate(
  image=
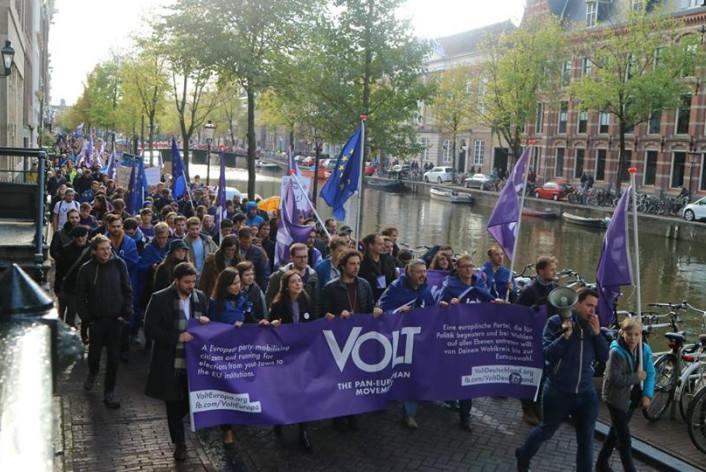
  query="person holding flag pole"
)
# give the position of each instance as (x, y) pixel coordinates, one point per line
(506, 219)
(629, 379)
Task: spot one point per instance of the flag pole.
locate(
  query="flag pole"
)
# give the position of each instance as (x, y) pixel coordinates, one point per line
(316, 214)
(358, 219)
(632, 171)
(525, 173)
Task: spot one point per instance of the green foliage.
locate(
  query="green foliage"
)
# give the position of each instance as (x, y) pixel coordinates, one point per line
(641, 65)
(521, 69)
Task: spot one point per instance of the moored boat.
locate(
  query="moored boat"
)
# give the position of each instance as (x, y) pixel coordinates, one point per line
(309, 172)
(264, 165)
(452, 196)
(387, 186)
(583, 221)
(547, 213)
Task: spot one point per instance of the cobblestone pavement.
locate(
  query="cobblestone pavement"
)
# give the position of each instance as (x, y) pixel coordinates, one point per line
(135, 437)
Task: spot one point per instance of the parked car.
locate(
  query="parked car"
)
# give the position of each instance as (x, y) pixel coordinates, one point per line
(480, 181)
(553, 190)
(696, 210)
(438, 174)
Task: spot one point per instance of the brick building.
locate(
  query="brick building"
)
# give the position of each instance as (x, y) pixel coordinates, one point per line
(668, 151)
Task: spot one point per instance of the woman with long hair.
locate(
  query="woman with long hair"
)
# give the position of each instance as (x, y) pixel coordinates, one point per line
(256, 296)
(229, 304)
(290, 306)
(227, 255)
(442, 261)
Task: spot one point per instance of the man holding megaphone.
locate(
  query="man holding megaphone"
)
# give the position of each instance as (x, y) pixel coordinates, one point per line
(571, 342)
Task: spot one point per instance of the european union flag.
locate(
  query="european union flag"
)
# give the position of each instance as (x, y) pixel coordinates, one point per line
(343, 182)
(178, 172)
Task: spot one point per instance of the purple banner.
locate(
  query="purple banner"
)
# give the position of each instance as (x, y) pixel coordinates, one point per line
(323, 369)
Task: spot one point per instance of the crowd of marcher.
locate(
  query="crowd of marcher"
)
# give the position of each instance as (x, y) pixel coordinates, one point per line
(118, 273)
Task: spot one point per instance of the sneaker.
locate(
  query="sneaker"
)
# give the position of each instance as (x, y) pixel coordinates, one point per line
(522, 465)
(89, 383)
(180, 452)
(111, 400)
(410, 422)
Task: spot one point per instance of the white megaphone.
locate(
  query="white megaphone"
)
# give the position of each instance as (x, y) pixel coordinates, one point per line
(563, 299)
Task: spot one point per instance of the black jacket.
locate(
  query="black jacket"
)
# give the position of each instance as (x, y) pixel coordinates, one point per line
(256, 255)
(70, 253)
(60, 239)
(370, 271)
(160, 325)
(103, 291)
(335, 297)
(282, 310)
(536, 296)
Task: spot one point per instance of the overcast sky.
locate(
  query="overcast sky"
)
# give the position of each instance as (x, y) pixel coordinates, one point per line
(100, 27)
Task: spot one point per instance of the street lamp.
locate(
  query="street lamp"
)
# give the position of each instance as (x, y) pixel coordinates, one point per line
(8, 53)
(209, 130)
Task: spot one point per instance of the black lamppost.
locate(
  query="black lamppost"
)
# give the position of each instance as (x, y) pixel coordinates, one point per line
(209, 130)
(8, 53)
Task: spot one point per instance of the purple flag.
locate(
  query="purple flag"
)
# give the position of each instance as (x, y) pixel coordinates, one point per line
(82, 153)
(502, 224)
(614, 264)
(79, 131)
(89, 153)
(221, 194)
(323, 369)
(289, 231)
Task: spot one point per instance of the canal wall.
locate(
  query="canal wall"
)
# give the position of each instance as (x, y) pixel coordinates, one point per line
(668, 227)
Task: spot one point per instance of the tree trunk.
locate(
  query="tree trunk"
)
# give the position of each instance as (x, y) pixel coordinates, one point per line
(251, 142)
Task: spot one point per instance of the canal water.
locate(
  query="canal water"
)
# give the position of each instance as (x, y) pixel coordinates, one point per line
(671, 271)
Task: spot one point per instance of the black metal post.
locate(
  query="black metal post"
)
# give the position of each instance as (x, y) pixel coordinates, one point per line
(317, 149)
(39, 224)
(208, 165)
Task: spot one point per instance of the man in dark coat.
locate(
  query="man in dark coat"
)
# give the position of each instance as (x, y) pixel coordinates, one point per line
(165, 322)
(254, 254)
(69, 255)
(104, 300)
(377, 267)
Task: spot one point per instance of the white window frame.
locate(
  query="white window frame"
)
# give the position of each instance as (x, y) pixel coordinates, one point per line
(644, 167)
(566, 72)
(586, 67)
(591, 13)
(447, 151)
(600, 122)
(478, 152)
(676, 118)
(595, 167)
(694, 3)
(556, 162)
(578, 123)
(576, 161)
(671, 168)
(565, 114)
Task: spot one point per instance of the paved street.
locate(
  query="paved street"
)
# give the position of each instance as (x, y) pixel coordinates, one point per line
(135, 437)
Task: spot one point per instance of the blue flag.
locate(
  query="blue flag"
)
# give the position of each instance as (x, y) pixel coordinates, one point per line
(344, 180)
(135, 197)
(502, 224)
(79, 131)
(614, 264)
(178, 172)
(221, 194)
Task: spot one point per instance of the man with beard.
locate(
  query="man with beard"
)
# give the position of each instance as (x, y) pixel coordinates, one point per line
(165, 322)
(377, 267)
(104, 300)
(70, 253)
(62, 209)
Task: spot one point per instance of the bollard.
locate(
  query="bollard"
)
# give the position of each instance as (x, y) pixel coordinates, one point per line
(29, 330)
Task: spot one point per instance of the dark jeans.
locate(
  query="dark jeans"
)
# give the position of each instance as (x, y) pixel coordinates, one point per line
(105, 333)
(67, 308)
(176, 411)
(619, 435)
(557, 407)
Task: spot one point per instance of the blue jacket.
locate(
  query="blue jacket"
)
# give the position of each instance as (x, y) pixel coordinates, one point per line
(497, 281)
(453, 287)
(233, 310)
(621, 375)
(567, 362)
(253, 220)
(400, 293)
(323, 271)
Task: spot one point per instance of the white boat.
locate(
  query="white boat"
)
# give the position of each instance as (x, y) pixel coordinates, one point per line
(452, 196)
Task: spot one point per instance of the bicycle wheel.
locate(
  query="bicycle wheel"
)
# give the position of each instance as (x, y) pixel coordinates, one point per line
(693, 384)
(592, 201)
(665, 382)
(696, 420)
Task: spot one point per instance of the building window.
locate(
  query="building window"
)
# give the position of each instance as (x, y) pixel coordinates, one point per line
(683, 115)
(627, 160)
(563, 112)
(578, 166)
(566, 72)
(702, 185)
(559, 168)
(604, 122)
(536, 156)
(586, 67)
(600, 164)
(650, 175)
(478, 152)
(447, 150)
(678, 166)
(583, 121)
(655, 124)
(591, 13)
(695, 3)
(539, 120)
